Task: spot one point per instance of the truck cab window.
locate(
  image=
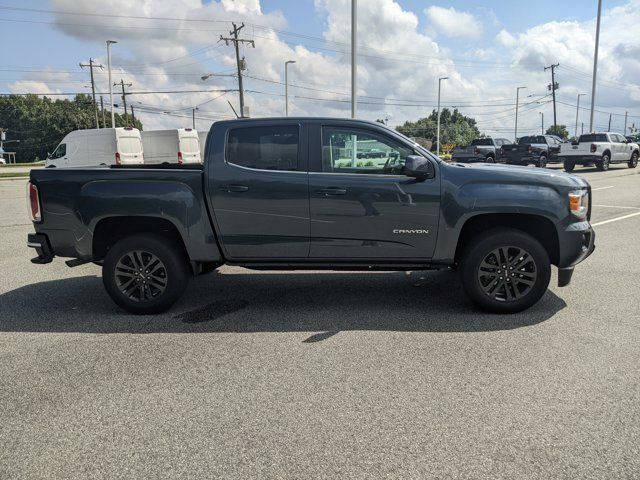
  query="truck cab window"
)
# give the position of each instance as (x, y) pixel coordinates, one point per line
(264, 148)
(353, 151)
(59, 152)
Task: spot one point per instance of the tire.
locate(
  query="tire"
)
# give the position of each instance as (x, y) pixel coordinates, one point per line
(569, 165)
(603, 164)
(542, 161)
(166, 282)
(490, 159)
(506, 296)
(633, 162)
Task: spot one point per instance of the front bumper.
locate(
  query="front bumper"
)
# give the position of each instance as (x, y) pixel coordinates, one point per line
(40, 242)
(576, 244)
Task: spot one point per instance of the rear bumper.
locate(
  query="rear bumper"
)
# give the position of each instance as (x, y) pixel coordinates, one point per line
(581, 159)
(40, 242)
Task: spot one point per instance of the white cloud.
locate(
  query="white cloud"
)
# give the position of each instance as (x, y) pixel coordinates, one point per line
(453, 23)
(505, 39)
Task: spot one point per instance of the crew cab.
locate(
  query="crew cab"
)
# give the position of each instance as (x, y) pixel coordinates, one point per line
(481, 150)
(536, 149)
(601, 149)
(290, 194)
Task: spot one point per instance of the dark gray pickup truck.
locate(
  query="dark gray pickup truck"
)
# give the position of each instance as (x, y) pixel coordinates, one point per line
(291, 193)
(481, 150)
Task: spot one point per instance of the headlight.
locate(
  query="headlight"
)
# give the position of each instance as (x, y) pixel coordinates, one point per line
(579, 203)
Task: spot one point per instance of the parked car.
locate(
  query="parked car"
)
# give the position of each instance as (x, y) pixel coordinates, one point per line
(481, 150)
(601, 149)
(95, 147)
(275, 194)
(168, 146)
(536, 149)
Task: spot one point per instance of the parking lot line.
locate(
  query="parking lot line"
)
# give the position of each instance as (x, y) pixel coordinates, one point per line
(616, 219)
(617, 206)
(602, 188)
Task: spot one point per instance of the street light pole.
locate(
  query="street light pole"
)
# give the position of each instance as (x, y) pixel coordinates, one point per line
(517, 105)
(113, 118)
(438, 130)
(577, 110)
(595, 66)
(286, 86)
(354, 64)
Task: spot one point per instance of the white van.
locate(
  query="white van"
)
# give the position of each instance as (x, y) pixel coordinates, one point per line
(94, 147)
(181, 145)
(202, 136)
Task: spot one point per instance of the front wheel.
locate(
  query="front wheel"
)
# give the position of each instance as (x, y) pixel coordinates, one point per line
(633, 162)
(505, 270)
(542, 161)
(145, 274)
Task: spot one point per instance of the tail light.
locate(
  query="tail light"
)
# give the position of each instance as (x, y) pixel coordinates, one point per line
(117, 158)
(179, 157)
(34, 203)
(594, 147)
(476, 151)
(530, 149)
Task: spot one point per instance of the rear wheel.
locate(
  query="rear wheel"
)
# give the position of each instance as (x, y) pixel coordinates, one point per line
(145, 274)
(490, 159)
(505, 271)
(569, 165)
(542, 161)
(633, 162)
(603, 164)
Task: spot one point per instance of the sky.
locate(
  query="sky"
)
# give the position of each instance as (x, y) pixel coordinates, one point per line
(486, 49)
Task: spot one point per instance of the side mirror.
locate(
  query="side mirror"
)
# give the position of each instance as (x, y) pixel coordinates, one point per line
(418, 167)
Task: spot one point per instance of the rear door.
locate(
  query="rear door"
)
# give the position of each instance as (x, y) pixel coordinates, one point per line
(367, 208)
(189, 148)
(258, 189)
(129, 147)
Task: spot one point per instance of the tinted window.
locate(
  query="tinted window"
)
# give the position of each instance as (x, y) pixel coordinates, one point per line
(264, 148)
(534, 139)
(354, 151)
(129, 145)
(59, 152)
(482, 141)
(593, 137)
(618, 138)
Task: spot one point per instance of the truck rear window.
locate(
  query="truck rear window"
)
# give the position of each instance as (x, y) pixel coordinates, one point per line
(592, 137)
(534, 139)
(482, 141)
(264, 148)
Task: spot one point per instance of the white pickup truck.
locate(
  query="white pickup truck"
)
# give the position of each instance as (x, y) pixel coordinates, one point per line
(601, 149)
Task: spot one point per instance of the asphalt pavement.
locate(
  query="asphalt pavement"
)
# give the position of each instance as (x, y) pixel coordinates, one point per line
(323, 374)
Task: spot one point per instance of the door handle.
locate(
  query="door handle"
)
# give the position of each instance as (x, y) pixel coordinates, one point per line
(331, 191)
(233, 188)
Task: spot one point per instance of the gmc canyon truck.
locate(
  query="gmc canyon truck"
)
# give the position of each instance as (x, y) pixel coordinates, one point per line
(601, 149)
(481, 150)
(287, 194)
(537, 150)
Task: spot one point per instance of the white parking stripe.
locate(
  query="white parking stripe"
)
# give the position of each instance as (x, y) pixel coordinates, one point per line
(602, 188)
(617, 206)
(616, 219)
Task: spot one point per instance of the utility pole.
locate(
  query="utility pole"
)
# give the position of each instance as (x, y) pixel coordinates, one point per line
(582, 131)
(124, 97)
(553, 87)
(542, 120)
(626, 114)
(104, 123)
(93, 85)
(438, 131)
(517, 104)
(595, 66)
(133, 115)
(240, 62)
(609, 127)
(286, 86)
(577, 110)
(193, 117)
(354, 58)
(113, 117)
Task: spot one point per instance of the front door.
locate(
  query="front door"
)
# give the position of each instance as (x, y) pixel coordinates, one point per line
(259, 192)
(362, 206)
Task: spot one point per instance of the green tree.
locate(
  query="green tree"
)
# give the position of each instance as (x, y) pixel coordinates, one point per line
(455, 128)
(558, 130)
(40, 123)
